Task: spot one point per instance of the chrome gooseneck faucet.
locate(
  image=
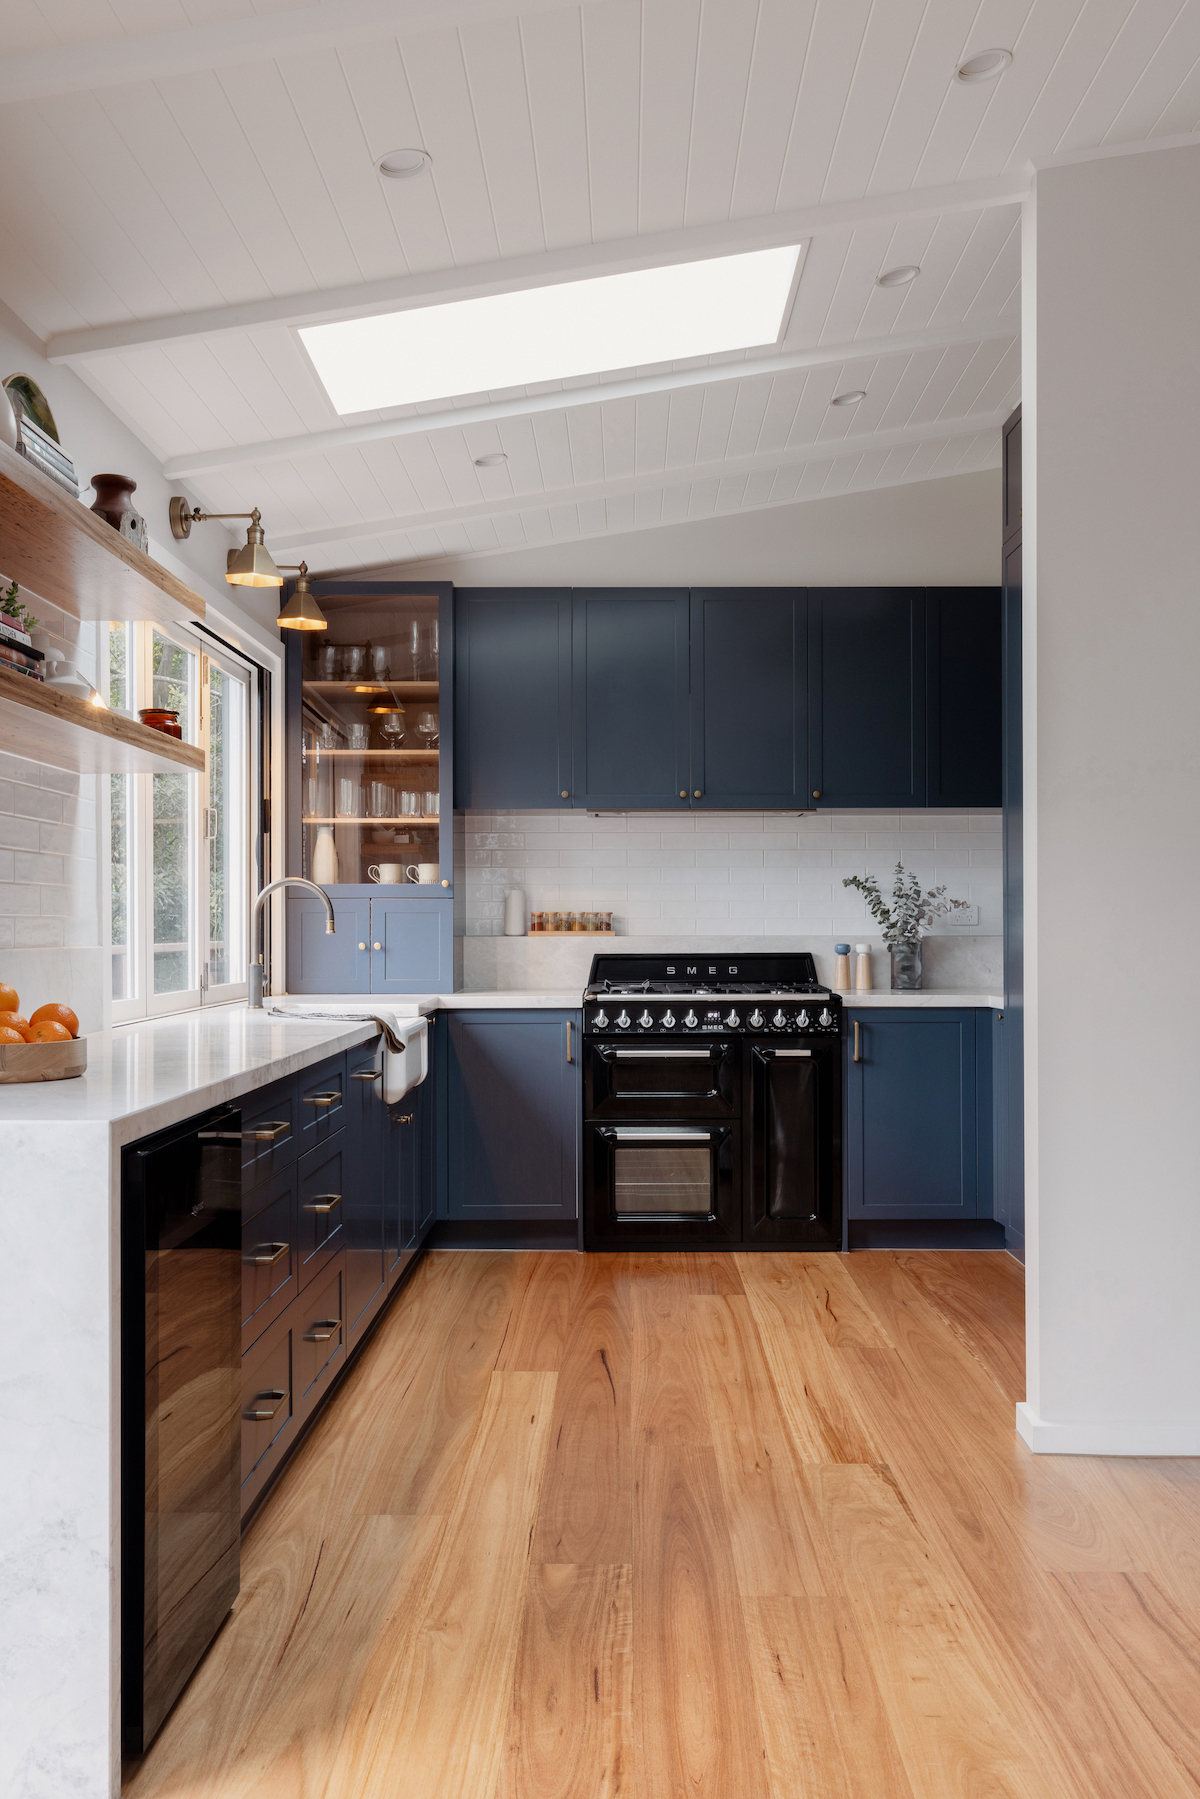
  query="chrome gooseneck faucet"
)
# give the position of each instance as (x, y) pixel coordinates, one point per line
(257, 973)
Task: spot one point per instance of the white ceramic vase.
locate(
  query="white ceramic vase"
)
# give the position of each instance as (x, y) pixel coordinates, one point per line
(325, 858)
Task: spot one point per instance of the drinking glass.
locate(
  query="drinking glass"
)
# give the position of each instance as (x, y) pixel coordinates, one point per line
(354, 661)
(349, 798)
(410, 638)
(377, 660)
(326, 736)
(410, 803)
(391, 728)
(325, 661)
(359, 736)
(427, 728)
(379, 800)
(431, 650)
(429, 801)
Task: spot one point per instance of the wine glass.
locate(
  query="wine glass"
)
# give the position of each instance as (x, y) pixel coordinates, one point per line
(427, 728)
(411, 639)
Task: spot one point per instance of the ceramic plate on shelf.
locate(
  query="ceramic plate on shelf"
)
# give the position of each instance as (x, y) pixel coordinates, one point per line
(26, 396)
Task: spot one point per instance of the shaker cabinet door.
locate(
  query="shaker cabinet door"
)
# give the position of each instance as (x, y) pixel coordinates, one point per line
(749, 698)
(319, 963)
(912, 1139)
(629, 699)
(512, 667)
(866, 696)
(963, 703)
(513, 1114)
(412, 944)
(362, 1221)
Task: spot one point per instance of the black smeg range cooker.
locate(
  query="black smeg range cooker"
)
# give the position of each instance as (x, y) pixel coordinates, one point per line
(712, 1099)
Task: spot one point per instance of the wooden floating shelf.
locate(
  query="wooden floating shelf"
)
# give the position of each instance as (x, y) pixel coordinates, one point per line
(365, 690)
(66, 554)
(59, 728)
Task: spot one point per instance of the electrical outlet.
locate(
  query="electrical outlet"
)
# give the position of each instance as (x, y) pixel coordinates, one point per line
(966, 915)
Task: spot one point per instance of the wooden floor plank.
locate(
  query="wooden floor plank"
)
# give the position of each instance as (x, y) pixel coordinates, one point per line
(826, 1732)
(570, 1724)
(669, 1403)
(778, 1549)
(432, 1705)
(696, 1726)
(822, 1418)
(541, 1319)
(585, 1514)
(840, 1308)
(975, 1294)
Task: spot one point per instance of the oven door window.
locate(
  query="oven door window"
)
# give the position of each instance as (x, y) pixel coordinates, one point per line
(663, 1079)
(664, 1173)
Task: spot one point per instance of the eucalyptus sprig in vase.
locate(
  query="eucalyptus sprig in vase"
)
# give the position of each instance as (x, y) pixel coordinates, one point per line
(904, 919)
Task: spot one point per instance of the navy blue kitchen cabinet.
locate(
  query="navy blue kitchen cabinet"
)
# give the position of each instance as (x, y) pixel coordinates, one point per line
(749, 697)
(513, 1118)
(866, 696)
(512, 713)
(409, 1173)
(629, 699)
(399, 943)
(918, 1113)
(366, 1285)
(963, 696)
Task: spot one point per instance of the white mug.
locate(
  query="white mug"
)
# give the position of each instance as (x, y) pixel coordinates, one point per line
(386, 872)
(426, 872)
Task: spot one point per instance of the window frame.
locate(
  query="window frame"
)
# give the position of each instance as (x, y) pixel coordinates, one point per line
(209, 653)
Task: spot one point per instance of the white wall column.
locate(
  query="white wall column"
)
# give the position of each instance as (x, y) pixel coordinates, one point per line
(1112, 641)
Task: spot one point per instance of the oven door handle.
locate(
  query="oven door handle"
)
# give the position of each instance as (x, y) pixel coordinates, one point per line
(632, 1133)
(785, 1052)
(661, 1055)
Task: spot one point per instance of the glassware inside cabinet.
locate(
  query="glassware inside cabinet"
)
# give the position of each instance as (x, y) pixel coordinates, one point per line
(370, 737)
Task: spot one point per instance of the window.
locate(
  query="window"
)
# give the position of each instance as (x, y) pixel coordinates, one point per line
(180, 844)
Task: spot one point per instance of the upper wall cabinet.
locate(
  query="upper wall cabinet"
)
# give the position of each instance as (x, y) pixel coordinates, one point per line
(749, 701)
(629, 698)
(866, 696)
(512, 674)
(963, 696)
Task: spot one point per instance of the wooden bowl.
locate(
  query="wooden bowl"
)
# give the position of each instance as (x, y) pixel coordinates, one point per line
(42, 1061)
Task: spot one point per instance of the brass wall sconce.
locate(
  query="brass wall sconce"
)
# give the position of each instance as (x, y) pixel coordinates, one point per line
(302, 612)
(252, 565)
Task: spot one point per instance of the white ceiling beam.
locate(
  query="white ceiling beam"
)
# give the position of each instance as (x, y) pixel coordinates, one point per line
(307, 543)
(116, 60)
(281, 449)
(512, 274)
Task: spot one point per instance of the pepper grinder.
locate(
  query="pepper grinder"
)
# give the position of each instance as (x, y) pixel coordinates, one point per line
(862, 968)
(841, 971)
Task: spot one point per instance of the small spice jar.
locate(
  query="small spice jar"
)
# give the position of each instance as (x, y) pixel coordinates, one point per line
(159, 718)
(604, 921)
(556, 921)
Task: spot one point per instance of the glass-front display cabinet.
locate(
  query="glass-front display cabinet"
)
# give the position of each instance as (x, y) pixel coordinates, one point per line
(370, 789)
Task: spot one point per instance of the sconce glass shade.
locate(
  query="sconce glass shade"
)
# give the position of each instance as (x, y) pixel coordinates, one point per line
(253, 565)
(302, 612)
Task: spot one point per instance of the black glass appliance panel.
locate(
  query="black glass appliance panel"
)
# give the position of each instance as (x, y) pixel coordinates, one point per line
(655, 1078)
(180, 1407)
(662, 1185)
(793, 1144)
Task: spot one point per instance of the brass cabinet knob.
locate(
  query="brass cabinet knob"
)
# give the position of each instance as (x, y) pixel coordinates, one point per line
(377, 946)
(362, 946)
(816, 793)
(696, 795)
(445, 883)
(683, 793)
(565, 794)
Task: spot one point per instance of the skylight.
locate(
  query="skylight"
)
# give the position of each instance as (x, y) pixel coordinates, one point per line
(552, 333)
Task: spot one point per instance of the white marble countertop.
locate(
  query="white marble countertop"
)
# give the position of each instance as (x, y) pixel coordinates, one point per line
(142, 1077)
(926, 998)
(421, 1005)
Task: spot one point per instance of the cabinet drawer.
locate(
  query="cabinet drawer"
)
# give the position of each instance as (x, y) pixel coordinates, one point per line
(270, 1256)
(321, 1231)
(322, 1109)
(270, 1132)
(320, 1333)
(268, 1406)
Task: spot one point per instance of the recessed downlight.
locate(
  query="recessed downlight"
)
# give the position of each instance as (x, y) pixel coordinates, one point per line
(495, 459)
(898, 277)
(850, 398)
(401, 165)
(985, 65)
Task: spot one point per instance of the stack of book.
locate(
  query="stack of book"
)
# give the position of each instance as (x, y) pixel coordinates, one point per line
(39, 448)
(17, 651)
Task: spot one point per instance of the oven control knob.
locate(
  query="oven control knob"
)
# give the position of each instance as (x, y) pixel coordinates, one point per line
(732, 1020)
(600, 1019)
(802, 1021)
(668, 1020)
(756, 1020)
(826, 1018)
(691, 1021)
(645, 1021)
(780, 1020)
(622, 1021)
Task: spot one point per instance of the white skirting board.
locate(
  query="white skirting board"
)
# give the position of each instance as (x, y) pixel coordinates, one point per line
(1108, 1436)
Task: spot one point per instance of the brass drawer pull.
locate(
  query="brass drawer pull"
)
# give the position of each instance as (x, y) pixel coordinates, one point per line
(323, 1099)
(857, 1057)
(322, 1330)
(402, 1117)
(269, 1133)
(323, 1202)
(274, 1251)
(367, 1074)
(570, 1028)
(256, 1415)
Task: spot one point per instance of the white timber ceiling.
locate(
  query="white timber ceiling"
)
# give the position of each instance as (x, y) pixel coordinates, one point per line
(184, 182)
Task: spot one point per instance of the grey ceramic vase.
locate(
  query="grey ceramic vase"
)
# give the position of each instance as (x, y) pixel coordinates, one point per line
(906, 965)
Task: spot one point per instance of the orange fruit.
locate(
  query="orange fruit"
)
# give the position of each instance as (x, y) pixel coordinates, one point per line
(48, 1031)
(8, 1035)
(56, 1014)
(10, 999)
(15, 1022)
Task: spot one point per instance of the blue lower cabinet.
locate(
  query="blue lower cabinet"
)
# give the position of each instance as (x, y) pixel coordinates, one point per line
(403, 943)
(513, 1120)
(408, 1176)
(918, 1114)
(362, 1223)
